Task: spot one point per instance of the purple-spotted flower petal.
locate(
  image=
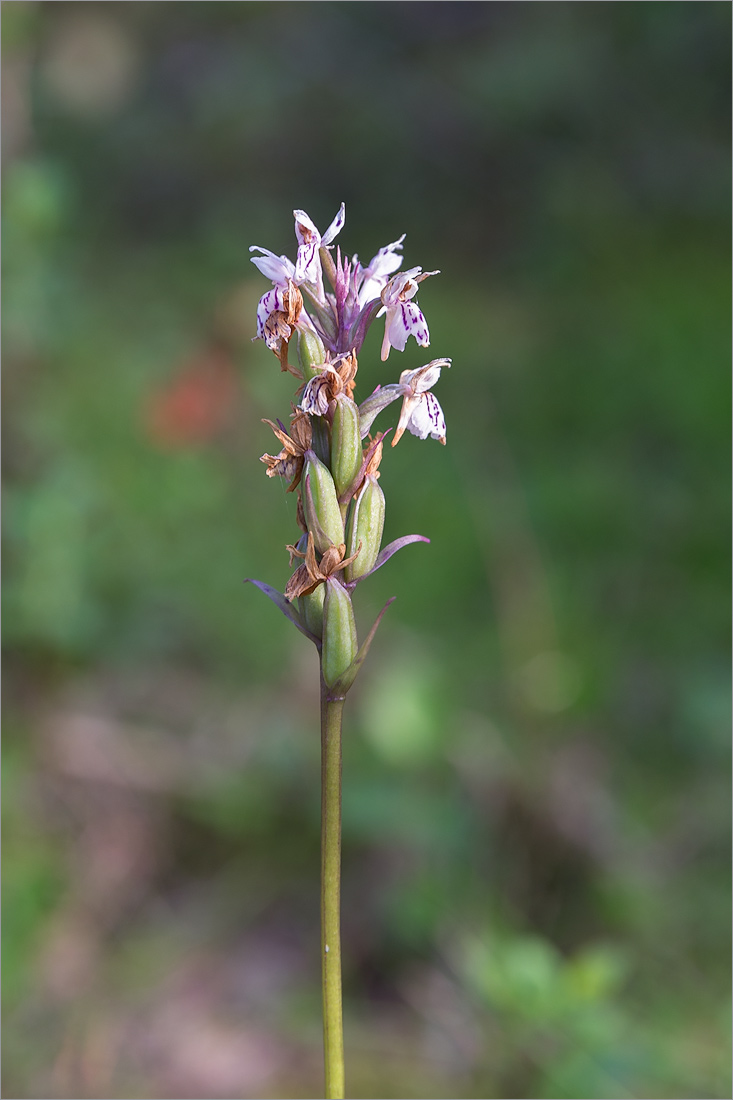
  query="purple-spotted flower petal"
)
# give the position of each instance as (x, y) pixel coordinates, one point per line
(421, 413)
(426, 418)
(403, 317)
(267, 304)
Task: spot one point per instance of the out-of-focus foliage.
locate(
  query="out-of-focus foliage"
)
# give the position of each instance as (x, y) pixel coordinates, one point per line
(536, 857)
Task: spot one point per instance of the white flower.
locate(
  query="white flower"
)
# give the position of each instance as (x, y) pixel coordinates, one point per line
(421, 413)
(372, 280)
(308, 262)
(403, 317)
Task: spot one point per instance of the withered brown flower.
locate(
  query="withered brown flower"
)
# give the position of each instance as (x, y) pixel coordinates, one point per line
(289, 463)
(333, 378)
(278, 328)
(311, 573)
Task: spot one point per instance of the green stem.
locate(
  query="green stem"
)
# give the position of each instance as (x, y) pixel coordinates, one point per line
(333, 1035)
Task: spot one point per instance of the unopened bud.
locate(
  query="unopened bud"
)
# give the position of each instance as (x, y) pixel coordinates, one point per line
(365, 526)
(339, 632)
(311, 352)
(320, 504)
(346, 456)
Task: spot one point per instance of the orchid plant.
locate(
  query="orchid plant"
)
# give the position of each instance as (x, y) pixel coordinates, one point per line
(330, 459)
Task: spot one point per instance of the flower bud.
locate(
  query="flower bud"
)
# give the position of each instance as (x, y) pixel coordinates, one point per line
(346, 456)
(321, 506)
(311, 608)
(365, 526)
(311, 352)
(339, 632)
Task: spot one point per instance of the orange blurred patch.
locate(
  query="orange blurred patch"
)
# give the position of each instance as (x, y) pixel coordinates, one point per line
(195, 404)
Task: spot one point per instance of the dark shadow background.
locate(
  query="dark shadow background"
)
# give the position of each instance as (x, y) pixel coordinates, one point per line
(536, 853)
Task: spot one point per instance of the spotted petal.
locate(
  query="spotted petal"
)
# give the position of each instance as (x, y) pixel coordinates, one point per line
(267, 304)
(403, 320)
(426, 417)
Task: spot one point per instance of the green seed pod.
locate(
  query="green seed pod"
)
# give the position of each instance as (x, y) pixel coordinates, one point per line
(311, 608)
(311, 352)
(321, 506)
(339, 632)
(366, 525)
(346, 456)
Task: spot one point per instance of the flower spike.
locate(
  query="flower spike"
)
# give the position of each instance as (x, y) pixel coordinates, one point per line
(329, 456)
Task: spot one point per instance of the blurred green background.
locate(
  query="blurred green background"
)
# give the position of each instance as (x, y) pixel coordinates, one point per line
(536, 807)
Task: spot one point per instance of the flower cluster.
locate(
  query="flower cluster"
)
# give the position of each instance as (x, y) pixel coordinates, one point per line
(360, 293)
(328, 454)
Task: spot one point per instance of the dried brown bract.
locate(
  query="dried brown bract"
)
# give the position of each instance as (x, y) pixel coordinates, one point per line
(311, 573)
(289, 463)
